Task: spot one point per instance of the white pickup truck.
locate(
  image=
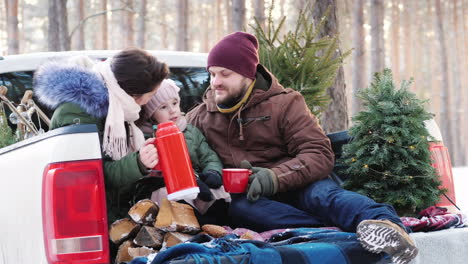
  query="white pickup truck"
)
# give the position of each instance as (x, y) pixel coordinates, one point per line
(52, 197)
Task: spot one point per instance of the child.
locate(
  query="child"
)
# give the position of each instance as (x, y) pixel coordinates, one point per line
(163, 107)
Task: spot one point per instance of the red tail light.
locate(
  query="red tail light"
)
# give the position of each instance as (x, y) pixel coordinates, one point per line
(74, 213)
(443, 166)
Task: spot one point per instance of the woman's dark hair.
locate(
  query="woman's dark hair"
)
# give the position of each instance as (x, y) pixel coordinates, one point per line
(137, 71)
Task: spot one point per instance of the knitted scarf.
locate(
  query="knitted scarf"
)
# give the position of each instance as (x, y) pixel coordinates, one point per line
(122, 108)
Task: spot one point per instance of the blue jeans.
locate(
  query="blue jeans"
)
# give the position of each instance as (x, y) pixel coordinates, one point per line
(323, 203)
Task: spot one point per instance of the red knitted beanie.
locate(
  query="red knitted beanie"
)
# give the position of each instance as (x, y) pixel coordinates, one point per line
(237, 52)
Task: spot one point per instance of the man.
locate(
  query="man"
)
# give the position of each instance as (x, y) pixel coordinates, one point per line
(250, 119)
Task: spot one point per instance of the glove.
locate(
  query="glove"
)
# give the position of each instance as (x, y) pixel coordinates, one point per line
(143, 188)
(212, 178)
(205, 193)
(262, 182)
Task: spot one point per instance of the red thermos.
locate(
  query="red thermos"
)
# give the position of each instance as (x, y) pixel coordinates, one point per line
(175, 163)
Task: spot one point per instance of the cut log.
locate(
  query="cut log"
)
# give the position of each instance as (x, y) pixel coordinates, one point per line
(122, 252)
(174, 216)
(144, 211)
(140, 251)
(174, 238)
(149, 237)
(214, 230)
(123, 229)
(164, 218)
(184, 218)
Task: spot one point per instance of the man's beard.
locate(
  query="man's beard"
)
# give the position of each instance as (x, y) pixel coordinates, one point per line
(231, 100)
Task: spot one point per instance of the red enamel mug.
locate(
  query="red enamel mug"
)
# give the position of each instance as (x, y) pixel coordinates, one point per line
(235, 180)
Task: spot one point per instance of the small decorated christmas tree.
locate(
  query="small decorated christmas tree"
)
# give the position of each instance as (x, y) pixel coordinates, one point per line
(388, 158)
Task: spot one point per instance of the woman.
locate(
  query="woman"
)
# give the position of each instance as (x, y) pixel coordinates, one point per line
(108, 94)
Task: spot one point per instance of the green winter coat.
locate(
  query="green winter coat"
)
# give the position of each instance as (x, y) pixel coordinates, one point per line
(119, 176)
(202, 155)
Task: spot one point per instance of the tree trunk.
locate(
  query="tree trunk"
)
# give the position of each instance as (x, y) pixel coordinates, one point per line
(238, 15)
(103, 39)
(335, 117)
(230, 25)
(63, 24)
(219, 21)
(408, 39)
(260, 12)
(207, 29)
(164, 37)
(282, 9)
(141, 24)
(464, 9)
(53, 30)
(114, 27)
(127, 24)
(79, 39)
(182, 25)
(458, 91)
(58, 39)
(445, 94)
(359, 66)
(377, 35)
(11, 7)
(396, 41)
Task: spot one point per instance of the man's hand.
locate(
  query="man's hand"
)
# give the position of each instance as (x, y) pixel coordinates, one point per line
(262, 182)
(212, 178)
(149, 154)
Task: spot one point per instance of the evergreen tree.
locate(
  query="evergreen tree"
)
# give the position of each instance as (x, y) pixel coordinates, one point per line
(299, 60)
(389, 158)
(6, 135)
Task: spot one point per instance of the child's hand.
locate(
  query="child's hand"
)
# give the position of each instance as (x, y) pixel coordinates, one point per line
(149, 154)
(211, 178)
(205, 193)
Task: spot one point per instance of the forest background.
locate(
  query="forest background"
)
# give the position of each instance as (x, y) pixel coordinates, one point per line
(421, 39)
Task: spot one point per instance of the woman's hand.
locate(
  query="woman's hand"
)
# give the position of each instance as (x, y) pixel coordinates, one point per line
(149, 154)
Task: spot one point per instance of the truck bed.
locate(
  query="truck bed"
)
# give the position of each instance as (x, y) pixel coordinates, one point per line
(21, 224)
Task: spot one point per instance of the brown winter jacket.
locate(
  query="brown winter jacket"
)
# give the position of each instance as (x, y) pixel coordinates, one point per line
(279, 133)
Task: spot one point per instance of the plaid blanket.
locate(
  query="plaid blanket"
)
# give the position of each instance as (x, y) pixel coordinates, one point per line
(432, 219)
(302, 245)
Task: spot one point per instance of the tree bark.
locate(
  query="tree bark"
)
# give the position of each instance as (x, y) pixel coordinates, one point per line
(219, 21)
(11, 7)
(396, 40)
(207, 29)
(260, 12)
(464, 8)
(164, 37)
(238, 15)
(58, 39)
(126, 24)
(446, 117)
(282, 9)
(182, 25)
(103, 23)
(230, 24)
(79, 39)
(459, 150)
(141, 24)
(408, 39)
(335, 117)
(377, 44)
(359, 66)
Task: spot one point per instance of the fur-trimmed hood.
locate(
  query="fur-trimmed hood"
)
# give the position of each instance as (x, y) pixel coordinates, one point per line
(57, 82)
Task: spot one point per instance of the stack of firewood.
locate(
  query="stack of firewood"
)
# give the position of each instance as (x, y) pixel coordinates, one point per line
(151, 228)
